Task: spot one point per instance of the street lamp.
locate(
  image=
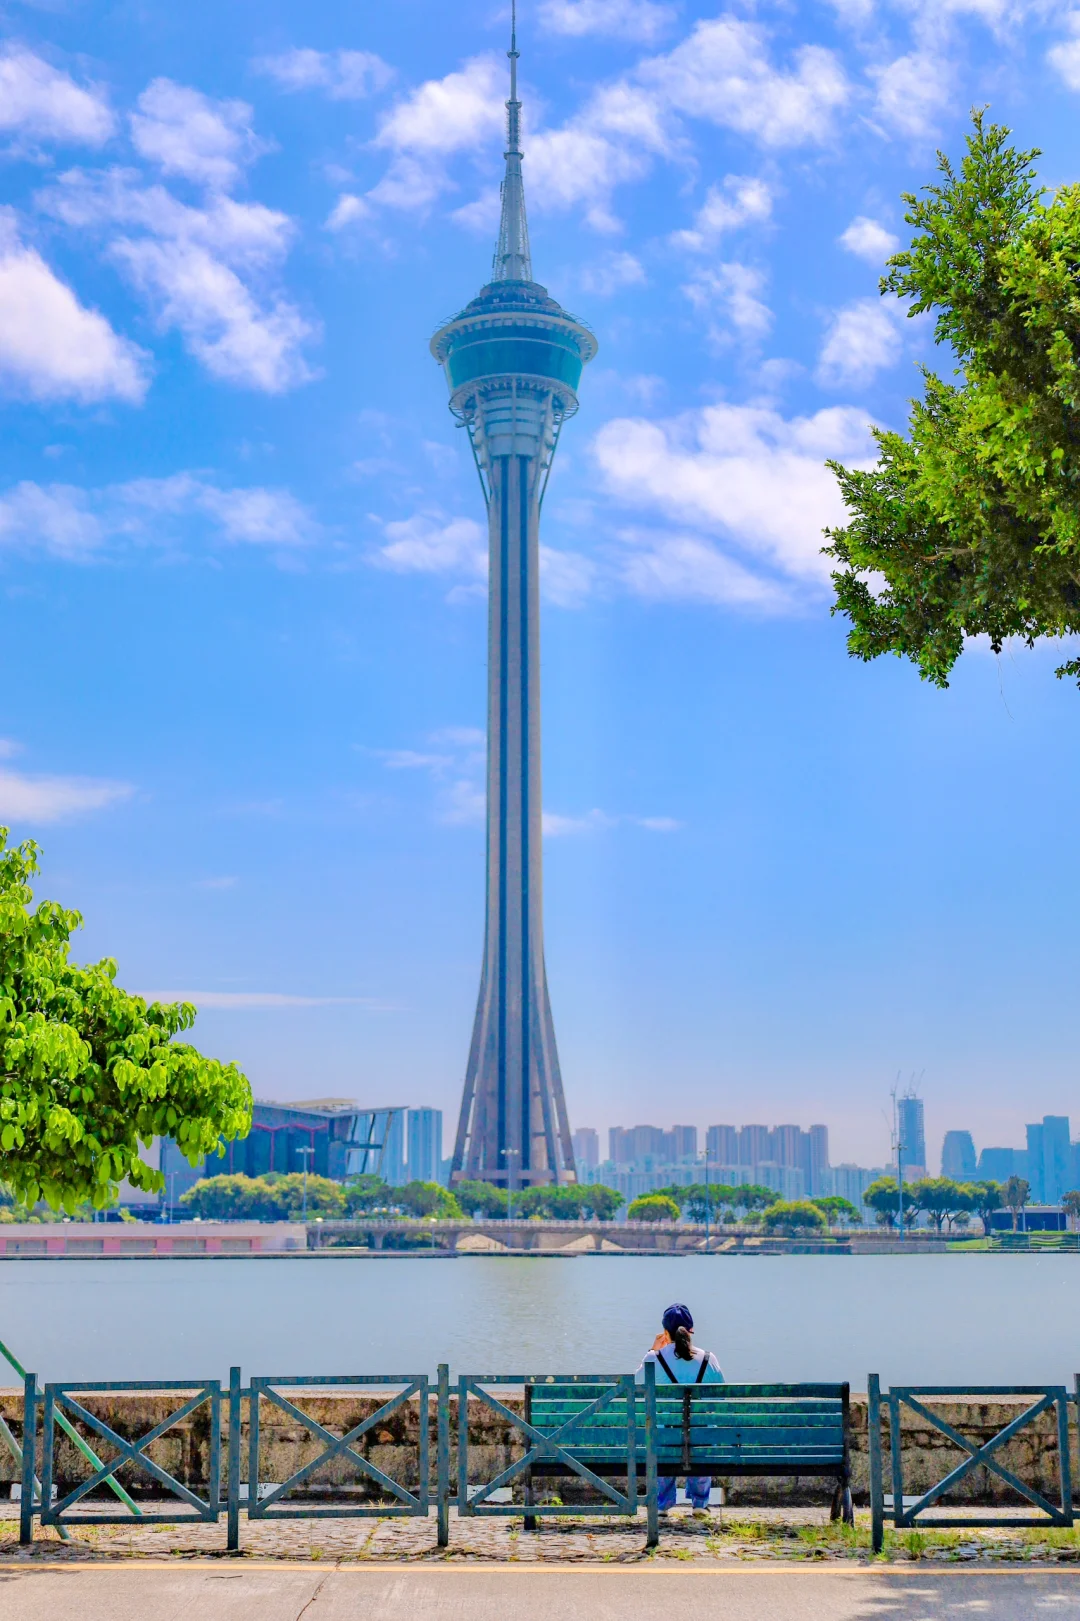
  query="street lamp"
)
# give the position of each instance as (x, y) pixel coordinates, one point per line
(511, 1154)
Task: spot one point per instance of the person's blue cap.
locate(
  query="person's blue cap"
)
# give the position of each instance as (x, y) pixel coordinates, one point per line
(677, 1317)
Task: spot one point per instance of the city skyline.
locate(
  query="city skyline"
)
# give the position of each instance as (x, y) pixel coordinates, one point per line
(243, 564)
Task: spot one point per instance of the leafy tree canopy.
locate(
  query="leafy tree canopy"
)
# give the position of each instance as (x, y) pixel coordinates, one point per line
(835, 1208)
(264, 1198)
(971, 524)
(793, 1216)
(426, 1199)
(653, 1207)
(88, 1072)
(482, 1198)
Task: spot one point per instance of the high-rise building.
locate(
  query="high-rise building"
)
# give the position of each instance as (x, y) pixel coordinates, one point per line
(586, 1145)
(683, 1143)
(912, 1134)
(787, 1145)
(817, 1159)
(998, 1164)
(958, 1156)
(513, 360)
(722, 1145)
(425, 1145)
(392, 1169)
(755, 1145)
(1049, 1159)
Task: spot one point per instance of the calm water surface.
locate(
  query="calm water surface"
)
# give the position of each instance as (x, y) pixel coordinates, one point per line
(985, 1319)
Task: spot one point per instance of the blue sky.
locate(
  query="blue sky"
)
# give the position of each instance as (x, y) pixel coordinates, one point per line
(242, 560)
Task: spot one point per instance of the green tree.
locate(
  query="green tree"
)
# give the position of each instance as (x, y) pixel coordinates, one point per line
(88, 1072)
(653, 1207)
(480, 1197)
(837, 1209)
(940, 1197)
(1015, 1195)
(427, 1199)
(881, 1197)
(1070, 1203)
(600, 1203)
(366, 1192)
(274, 1197)
(971, 524)
(986, 1197)
(793, 1216)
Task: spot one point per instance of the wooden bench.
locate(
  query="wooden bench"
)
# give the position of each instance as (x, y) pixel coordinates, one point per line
(725, 1430)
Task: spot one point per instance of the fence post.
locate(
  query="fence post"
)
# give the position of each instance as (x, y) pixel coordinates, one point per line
(877, 1499)
(29, 1457)
(1065, 1460)
(442, 1454)
(233, 1496)
(652, 1515)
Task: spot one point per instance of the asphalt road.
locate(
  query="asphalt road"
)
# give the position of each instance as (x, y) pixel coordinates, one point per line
(212, 1592)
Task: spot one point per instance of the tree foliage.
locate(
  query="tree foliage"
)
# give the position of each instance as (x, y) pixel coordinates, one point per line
(793, 1216)
(273, 1197)
(971, 524)
(427, 1199)
(653, 1207)
(835, 1208)
(1015, 1195)
(88, 1072)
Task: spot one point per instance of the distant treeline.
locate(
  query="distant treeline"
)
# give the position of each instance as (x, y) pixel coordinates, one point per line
(277, 1197)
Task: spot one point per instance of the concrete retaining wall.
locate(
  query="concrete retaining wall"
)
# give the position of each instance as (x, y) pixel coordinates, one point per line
(391, 1446)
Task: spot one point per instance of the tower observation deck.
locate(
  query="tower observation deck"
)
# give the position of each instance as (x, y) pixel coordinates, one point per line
(513, 360)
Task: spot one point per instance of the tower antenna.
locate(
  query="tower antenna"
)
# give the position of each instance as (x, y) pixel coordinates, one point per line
(513, 261)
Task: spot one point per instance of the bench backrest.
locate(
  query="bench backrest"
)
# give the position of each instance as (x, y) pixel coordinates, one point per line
(702, 1428)
(601, 1435)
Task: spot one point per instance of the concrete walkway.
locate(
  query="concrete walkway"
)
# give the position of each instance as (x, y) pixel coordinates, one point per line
(206, 1591)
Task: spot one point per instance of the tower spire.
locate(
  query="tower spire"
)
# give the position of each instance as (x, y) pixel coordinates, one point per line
(512, 259)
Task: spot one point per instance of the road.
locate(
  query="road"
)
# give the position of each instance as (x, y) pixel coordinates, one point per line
(211, 1591)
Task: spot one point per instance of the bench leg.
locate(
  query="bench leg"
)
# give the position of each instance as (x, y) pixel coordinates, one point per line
(531, 1521)
(849, 1509)
(837, 1506)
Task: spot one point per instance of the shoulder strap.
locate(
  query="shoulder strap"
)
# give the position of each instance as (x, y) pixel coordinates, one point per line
(703, 1368)
(667, 1370)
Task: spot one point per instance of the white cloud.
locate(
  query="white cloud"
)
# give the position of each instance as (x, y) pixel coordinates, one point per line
(76, 525)
(628, 19)
(674, 567)
(456, 764)
(428, 543)
(556, 826)
(566, 578)
(186, 133)
(612, 273)
(204, 270)
(912, 92)
(344, 75)
(730, 292)
(740, 200)
(1064, 57)
(40, 102)
(346, 211)
(722, 73)
(740, 472)
(861, 341)
(868, 239)
(445, 115)
(51, 346)
(56, 799)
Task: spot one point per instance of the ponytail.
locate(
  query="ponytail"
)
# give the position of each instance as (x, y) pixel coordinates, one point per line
(684, 1348)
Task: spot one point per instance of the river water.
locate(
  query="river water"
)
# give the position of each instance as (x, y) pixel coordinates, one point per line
(951, 1319)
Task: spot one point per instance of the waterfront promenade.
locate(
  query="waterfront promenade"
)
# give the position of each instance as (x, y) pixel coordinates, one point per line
(208, 1592)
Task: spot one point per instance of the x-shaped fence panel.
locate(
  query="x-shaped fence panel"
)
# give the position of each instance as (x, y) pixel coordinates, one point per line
(907, 1514)
(63, 1400)
(338, 1449)
(582, 1425)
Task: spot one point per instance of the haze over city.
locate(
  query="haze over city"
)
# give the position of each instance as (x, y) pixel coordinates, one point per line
(237, 514)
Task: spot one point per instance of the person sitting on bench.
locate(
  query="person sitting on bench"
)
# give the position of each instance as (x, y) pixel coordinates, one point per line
(683, 1363)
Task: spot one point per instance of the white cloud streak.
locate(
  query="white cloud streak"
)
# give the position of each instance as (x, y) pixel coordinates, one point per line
(1064, 57)
(628, 19)
(71, 524)
(741, 474)
(868, 239)
(207, 271)
(861, 341)
(740, 200)
(43, 799)
(187, 133)
(343, 75)
(51, 346)
(260, 1001)
(729, 296)
(38, 102)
